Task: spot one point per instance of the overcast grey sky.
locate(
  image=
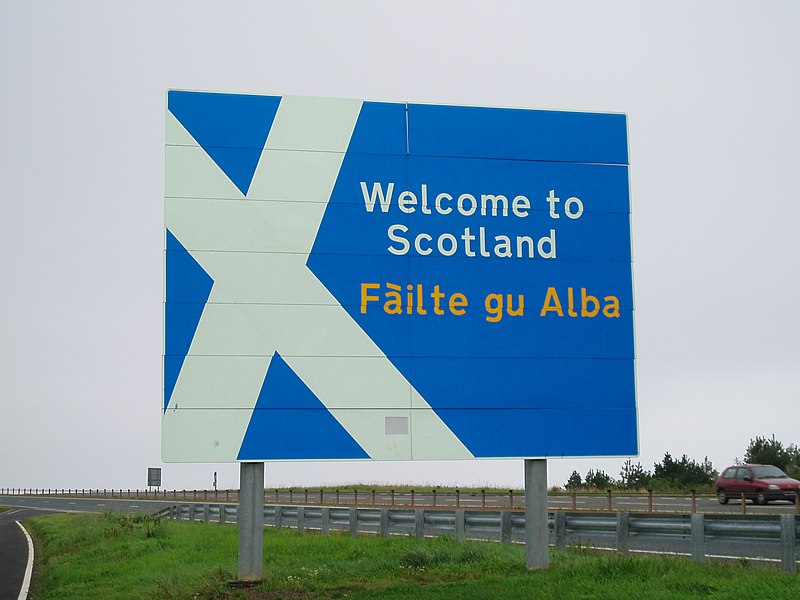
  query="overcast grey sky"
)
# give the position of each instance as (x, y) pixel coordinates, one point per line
(711, 90)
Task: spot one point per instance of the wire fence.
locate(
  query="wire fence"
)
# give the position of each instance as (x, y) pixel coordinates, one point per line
(610, 500)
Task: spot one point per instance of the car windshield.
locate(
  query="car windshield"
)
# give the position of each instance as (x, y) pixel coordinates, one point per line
(768, 472)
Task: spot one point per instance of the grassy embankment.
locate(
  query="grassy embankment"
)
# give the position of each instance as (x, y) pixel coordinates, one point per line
(113, 556)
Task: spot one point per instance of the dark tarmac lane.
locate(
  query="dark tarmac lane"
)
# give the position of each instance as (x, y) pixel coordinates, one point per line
(13, 551)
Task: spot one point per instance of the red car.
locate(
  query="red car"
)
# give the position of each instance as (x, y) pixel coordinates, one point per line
(759, 483)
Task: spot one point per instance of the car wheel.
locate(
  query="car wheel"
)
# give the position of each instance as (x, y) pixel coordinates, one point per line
(761, 498)
(723, 499)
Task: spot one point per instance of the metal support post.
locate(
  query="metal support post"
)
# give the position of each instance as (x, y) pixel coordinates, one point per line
(623, 531)
(251, 521)
(560, 526)
(698, 538)
(788, 552)
(326, 520)
(505, 526)
(536, 527)
(461, 524)
(384, 528)
(301, 519)
(354, 521)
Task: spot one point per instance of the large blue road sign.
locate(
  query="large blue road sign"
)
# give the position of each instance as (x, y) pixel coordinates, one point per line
(365, 280)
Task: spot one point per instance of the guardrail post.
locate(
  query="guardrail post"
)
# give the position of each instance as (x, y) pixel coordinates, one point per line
(505, 526)
(222, 509)
(623, 531)
(608, 496)
(434, 497)
(278, 517)
(384, 522)
(354, 521)
(326, 520)
(797, 503)
(419, 523)
(510, 498)
(788, 550)
(483, 498)
(301, 519)
(461, 524)
(337, 497)
(322, 496)
(574, 500)
(355, 497)
(373, 498)
(694, 501)
(392, 497)
(744, 505)
(206, 513)
(412, 497)
(305, 498)
(698, 538)
(560, 526)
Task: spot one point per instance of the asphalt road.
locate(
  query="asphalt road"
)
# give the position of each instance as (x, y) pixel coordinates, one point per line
(58, 504)
(13, 551)
(14, 544)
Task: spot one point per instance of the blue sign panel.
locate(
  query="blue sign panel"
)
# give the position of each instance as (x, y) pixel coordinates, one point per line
(363, 280)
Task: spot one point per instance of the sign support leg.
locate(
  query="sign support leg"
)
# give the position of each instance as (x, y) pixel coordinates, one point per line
(536, 528)
(251, 520)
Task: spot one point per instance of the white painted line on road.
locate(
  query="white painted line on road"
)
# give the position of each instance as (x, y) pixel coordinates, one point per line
(134, 505)
(26, 582)
(72, 503)
(621, 503)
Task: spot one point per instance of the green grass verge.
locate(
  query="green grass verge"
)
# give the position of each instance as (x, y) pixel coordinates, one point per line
(114, 556)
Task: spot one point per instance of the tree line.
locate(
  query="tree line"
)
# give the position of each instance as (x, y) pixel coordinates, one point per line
(685, 473)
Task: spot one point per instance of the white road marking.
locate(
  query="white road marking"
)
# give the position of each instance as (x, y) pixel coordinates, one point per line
(26, 582)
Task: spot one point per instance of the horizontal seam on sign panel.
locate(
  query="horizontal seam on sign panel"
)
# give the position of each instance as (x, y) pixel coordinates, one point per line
(298, 150)
(26, 582)
(504, 260)
(405, 356)
(253, 199)
(506, 158)
(531, 211)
